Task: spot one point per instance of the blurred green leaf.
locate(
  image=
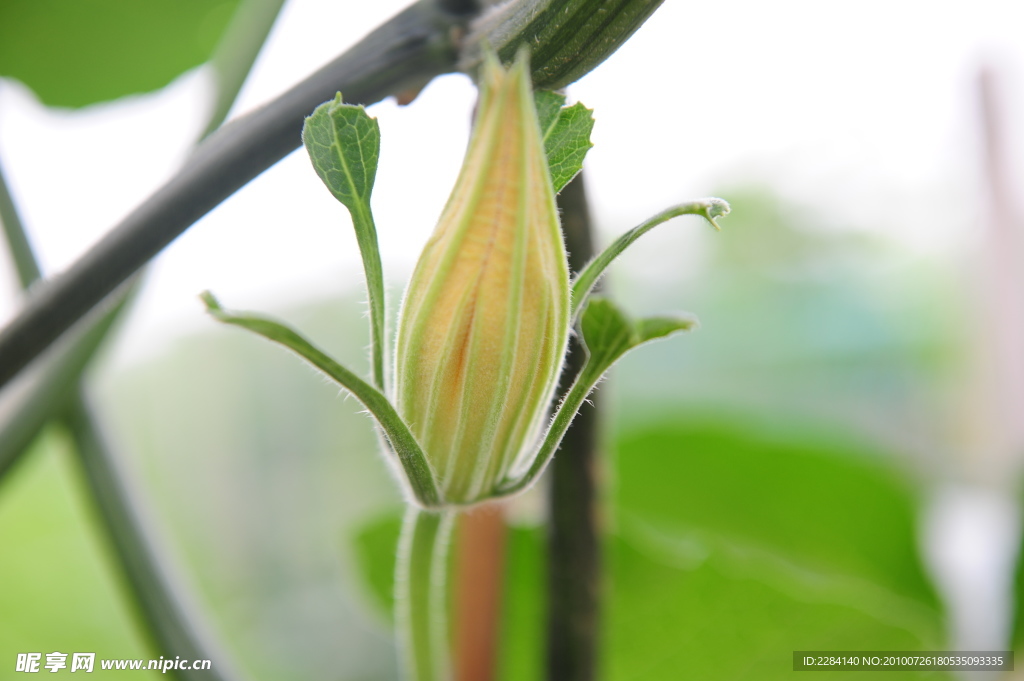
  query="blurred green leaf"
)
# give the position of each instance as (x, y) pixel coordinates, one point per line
(738, 616)
(692, 611)
(78, 52)
(374, 546)
(521, 651)
(825, 505)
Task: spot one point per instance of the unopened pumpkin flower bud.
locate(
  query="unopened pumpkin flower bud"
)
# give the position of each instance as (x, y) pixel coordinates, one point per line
(485, 321)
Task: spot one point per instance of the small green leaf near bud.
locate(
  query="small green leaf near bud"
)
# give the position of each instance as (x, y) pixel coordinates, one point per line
(567, 143)
(343, 143)
(609, 334)
(566, 134)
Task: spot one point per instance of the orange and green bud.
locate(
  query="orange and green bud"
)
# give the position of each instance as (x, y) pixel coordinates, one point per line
(485, 321)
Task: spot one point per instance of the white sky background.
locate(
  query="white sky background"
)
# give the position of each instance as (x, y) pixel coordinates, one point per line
(866, 112)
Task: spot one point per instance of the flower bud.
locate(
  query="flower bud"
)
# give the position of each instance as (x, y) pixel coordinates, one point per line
(485, 321)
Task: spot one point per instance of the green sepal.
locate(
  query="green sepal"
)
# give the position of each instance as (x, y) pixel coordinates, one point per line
(585, 281)
(607, 335)
(343, 143)
(566, 134)
(403, 443)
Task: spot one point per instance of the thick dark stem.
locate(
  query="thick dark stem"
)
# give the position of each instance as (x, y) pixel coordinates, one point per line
(574, 552)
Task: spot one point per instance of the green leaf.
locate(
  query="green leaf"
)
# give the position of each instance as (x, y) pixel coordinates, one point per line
(732, 615)
(566, 136)
(523, 602)
(607, 333)
(585, 281)
(719, 614)
(78, 52)
(819, 502)
(403, 443)
(343, 143)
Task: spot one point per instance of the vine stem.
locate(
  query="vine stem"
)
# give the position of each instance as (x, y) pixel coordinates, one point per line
(421, 594)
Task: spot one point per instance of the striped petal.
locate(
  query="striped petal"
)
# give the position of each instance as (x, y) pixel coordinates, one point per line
(485, 321)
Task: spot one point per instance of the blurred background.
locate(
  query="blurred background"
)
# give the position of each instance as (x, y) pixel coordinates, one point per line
(830, 462)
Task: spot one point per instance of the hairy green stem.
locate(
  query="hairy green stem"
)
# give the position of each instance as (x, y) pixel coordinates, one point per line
(585, 281)
(366, 234)
(402, 442)
(421, 594)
